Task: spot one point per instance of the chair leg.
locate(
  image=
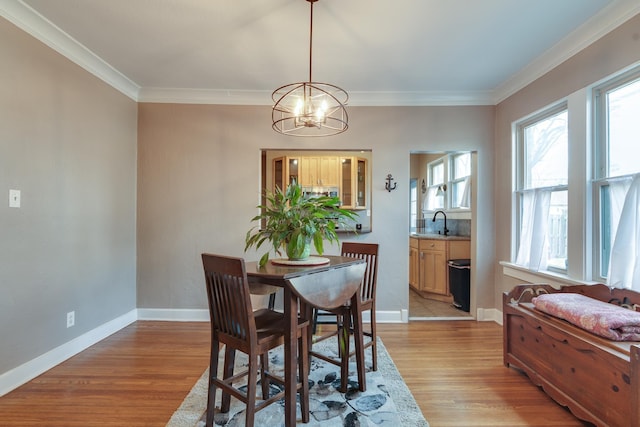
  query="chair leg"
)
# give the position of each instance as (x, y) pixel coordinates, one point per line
(315, 321)
(374, 338)
(272, 301)
(264, 379)
(229, 361)
(250, 409)
(213, 373)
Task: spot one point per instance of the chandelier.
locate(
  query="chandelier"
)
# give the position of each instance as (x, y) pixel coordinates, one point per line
(309, 108)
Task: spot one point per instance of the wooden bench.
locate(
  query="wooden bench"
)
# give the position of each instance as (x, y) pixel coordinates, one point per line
(597, 379)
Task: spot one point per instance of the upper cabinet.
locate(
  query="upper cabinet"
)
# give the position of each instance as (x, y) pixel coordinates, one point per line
(353, 182)
(285, 171)
(319, 171)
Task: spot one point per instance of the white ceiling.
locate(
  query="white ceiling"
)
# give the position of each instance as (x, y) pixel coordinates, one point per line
(400, 52)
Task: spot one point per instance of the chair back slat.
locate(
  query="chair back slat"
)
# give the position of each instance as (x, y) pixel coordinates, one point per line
(229, 298)
(369, 253)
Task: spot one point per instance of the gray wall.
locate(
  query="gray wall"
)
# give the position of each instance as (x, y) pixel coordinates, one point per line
(198, 185)
(68, 142)
(615, 51)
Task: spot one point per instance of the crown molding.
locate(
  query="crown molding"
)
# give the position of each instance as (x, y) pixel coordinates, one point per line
(204, 96)
(604, 22)
(30, 21)
(240, 97)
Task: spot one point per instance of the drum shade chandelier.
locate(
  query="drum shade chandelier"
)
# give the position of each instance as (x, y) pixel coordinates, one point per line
(310, 108)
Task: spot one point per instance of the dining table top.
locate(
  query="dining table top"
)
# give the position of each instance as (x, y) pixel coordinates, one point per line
(323, 286)
(282, 271)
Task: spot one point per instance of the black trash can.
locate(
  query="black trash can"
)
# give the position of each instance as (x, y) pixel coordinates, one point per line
(460, 282)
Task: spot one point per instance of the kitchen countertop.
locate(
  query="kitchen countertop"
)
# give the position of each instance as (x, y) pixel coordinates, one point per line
(436, 236)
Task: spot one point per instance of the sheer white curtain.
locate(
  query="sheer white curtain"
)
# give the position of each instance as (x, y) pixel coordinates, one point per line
(624, 264)
(466, 195)
(533, 249)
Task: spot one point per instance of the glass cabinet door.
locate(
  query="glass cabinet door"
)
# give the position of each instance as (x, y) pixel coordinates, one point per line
(278, 173)
(361, 184)
(285, 172)
(292, 170)
(346, 178)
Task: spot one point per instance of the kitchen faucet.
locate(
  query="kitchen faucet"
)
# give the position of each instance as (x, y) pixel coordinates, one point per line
(446, 231)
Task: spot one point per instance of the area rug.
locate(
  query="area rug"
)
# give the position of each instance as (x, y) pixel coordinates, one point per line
(386, 403)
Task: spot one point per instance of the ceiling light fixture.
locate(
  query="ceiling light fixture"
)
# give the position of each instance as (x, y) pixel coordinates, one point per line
(310, 108)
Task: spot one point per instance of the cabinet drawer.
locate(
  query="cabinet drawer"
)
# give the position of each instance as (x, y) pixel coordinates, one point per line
(433, 245)
(413, 243)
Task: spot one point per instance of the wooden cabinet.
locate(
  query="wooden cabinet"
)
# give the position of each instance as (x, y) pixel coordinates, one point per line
(414, 263)
(353, 182)
(433, 267)
(319, 171)
(428, 268)
(361, 183)
(285, 172)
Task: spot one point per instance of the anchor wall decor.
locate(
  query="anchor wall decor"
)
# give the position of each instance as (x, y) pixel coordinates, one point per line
(388, 186)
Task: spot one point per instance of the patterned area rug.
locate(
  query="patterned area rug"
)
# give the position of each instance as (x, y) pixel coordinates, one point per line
(386, 403)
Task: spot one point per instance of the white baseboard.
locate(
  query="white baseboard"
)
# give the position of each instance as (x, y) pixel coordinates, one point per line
(174, 315)
(397, 316)
(24, 373)
(489, 315)
(189, 315)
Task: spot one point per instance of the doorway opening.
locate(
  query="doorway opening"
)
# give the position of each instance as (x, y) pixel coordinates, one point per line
(441, 212)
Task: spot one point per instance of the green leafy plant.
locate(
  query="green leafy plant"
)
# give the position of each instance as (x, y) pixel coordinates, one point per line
(292, 222)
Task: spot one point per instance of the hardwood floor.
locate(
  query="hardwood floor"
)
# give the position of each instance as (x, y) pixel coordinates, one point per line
(140, 375)
(423, 308)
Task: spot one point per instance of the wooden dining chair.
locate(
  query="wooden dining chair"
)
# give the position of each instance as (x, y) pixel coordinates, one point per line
(368, 252)
(238, 327)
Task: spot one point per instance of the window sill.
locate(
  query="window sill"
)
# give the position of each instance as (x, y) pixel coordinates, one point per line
(554, 279)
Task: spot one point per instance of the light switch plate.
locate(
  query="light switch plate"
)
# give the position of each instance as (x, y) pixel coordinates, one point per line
(14, 198)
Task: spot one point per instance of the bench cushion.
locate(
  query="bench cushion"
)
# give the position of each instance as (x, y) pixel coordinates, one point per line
(598, 317)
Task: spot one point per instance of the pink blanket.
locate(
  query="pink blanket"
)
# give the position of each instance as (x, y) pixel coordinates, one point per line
(601, 318)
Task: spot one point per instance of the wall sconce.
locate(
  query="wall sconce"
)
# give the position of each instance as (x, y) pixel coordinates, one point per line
(441, 189)
(388, 186)
(424, 187)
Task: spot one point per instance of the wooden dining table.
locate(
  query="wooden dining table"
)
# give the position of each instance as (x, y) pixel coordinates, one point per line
(325, 286)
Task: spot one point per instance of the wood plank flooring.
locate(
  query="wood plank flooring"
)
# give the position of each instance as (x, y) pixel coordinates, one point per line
(424, 308)
(140, 375)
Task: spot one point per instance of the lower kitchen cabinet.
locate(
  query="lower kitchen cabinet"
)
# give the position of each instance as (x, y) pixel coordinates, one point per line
(428, 269)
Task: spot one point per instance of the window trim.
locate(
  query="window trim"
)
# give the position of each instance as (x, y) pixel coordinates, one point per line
(446, 160)
(519, 170)
(600, 160)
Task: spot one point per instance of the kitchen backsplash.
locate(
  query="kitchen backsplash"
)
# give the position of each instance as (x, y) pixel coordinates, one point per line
(457, 227)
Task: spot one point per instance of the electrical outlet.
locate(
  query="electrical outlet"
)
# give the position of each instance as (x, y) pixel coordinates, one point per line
(71, 319)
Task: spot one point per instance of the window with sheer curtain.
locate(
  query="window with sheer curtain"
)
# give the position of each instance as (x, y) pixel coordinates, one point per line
(542, 190)
(616, 182)
(581, 156)
(436, 178)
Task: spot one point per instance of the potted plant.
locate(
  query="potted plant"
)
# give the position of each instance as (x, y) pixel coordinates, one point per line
(292, 221)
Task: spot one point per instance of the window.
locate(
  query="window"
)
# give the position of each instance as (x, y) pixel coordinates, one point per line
(617, 113)
(435, 190)
(413, 204)
(449, 182)
(460, 178)
(542, 147)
